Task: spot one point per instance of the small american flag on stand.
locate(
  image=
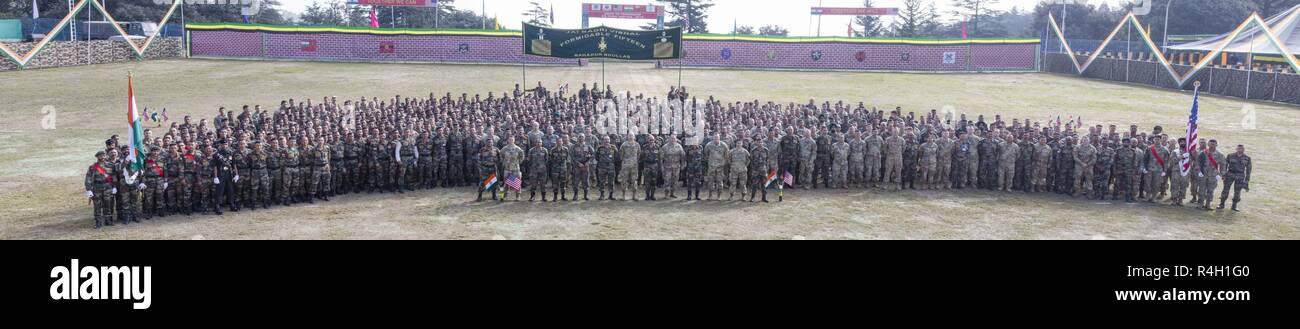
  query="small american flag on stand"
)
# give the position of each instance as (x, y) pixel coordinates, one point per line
(788, 178)
(513, 182)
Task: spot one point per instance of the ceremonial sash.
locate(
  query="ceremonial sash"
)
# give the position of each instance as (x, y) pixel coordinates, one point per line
(1155, 154)
(107, 178)
(1213, 162)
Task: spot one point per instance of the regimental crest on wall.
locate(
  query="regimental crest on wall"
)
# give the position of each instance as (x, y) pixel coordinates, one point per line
(308, 45)
(906, 57)
(771, 55)
(860, 56)
(463, 48)
(817, 55)
(950, 57)
(726, 53)
(387, 47)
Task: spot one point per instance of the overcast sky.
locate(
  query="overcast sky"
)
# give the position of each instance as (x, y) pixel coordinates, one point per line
(791, 14)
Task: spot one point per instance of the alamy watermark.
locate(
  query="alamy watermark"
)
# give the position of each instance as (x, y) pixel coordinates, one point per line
(49, 117)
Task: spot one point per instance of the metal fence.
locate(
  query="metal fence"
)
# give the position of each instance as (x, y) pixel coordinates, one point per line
(1248, 84)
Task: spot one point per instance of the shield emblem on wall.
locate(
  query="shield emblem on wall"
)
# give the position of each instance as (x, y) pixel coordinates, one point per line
(817, 55)
(387, 47)
(726, 53)
(771, 55)
(463, 48)
(860, 56)
(905, 57)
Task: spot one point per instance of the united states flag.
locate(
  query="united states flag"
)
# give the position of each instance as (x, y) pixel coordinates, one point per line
(1191, 133)
(513, 182)
(788, 178)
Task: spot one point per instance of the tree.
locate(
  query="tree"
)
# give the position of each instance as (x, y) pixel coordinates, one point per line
(1269, 8)
(869, 26)
(745, 30)
(773, 30)
(1186, 17)
(977, 12)
(690, 14)
(911, 18)
(538, 16)
(332, 13)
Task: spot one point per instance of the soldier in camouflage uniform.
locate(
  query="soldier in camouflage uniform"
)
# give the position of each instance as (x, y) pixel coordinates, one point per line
(1009, 152)
(1237, 177)
(260, 177)
(535, 178)
(188, 189)
(893, 151)
(172, 182)
(1125, 168)
(839, 159)
(857, 159)
(100, 189)
(807, 159)
(715, 155)
(758, 170)
(1041, 165)
(1103, 169)
(672, 157)
(289, 162)
(943, 176)
(1156, 158)
(630, 155)
(738, 159)
(1212, 164)
(487, 156)
(650, 170)
(1085, 156)
(929, 177)
(559, 163)
(822, 171)
(606, 171)
(789, 157)
(154, 178)
(203, 190)
(239, 159)
(875, 145)
(696, 167)
(512, 158)
(440, 159)
(582, 158)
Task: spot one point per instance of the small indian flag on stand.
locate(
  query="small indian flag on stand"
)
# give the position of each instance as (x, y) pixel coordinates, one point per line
(771, 178)
(490, 181)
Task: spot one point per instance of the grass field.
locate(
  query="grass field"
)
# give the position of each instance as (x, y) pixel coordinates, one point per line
(41, 170)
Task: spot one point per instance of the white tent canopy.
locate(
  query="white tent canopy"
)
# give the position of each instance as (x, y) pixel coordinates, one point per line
(1253, 40)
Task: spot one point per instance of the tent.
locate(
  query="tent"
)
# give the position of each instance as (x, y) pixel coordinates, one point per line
(1253, 40)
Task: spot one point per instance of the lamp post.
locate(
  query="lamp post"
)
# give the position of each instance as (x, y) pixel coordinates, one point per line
(1165, 45)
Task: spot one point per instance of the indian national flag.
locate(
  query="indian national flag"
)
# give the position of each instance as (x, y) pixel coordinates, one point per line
(135, 133)
(771, 178)
(490, 181)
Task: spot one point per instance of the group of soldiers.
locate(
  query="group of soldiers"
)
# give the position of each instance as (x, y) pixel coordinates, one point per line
(563, 143)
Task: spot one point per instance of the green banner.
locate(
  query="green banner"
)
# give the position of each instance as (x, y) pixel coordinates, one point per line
(603, 42)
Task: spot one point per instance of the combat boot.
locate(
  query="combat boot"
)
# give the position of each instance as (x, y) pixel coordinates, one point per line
(480, 196)
(765, 196)
(1221, 201)
(1234, 205)
(533, 195)
(584, 195)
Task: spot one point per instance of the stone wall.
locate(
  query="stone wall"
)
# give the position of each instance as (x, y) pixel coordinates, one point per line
(449, 47)
(74, 53)
(838, 55)
(365, 47)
